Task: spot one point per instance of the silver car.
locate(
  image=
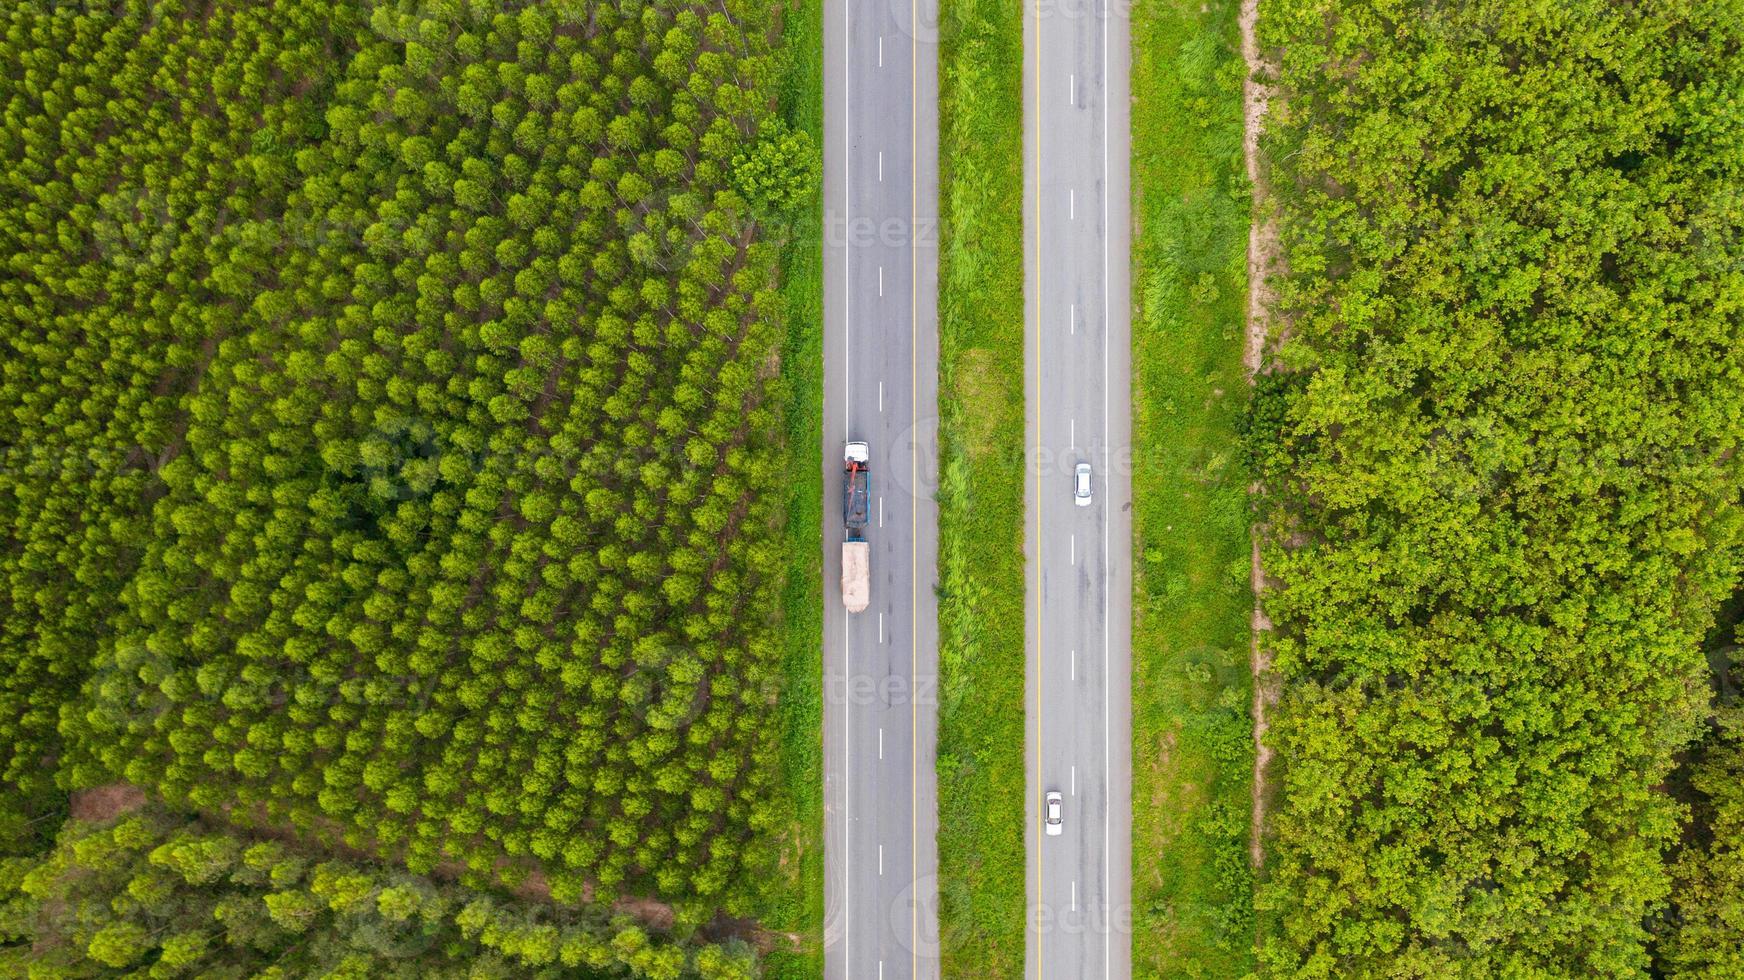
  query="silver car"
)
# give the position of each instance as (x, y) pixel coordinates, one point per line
(1054, 814)
(1081, 484)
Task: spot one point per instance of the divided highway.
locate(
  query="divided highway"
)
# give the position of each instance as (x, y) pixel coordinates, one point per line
(881, 387)
(1077, 140)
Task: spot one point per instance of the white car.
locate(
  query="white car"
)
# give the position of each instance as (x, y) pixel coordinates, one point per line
(1081, 484)
(1054, 814)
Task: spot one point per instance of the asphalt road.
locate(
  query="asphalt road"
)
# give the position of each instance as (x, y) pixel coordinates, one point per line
(1077, 108)
(881, 387)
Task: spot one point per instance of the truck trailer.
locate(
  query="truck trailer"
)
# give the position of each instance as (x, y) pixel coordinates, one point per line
(856, 512)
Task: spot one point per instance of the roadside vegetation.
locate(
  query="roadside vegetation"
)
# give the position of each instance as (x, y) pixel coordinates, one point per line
(1192, 886)
(799, 901)
(981, 772)
(401, 404)
(1500, 452)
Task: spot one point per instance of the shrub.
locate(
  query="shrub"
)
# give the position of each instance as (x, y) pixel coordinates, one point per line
(1503, 479)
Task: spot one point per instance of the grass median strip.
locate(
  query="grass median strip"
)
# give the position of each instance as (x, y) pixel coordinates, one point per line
(981, 505)
(1192, 735)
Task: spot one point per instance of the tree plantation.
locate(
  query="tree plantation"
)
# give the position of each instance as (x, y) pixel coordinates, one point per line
(135, 215)
(410, 509)
(1500, 445)
(394, 441)
(171, 897)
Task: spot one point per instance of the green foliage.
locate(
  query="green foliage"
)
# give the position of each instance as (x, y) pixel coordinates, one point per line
(1504, 491)
(781, 170)
(982, 782)
(795, 893)
(397, 452)
(1703, 934)
(130, 244)
(1192, 740)
(117, 896)
(465, 591)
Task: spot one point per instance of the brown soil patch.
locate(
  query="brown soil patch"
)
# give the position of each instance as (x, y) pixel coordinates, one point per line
(724, 927)
(1262, 262)
(1265, 695)
(1262, 239)
(536, 888)
(646, 910)
(102, 803)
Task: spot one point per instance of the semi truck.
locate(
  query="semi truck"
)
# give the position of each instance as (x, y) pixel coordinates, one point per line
(856, 512)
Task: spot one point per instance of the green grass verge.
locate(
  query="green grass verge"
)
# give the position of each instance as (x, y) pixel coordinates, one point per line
(796, 900)
(1192, 734)
(981, 564)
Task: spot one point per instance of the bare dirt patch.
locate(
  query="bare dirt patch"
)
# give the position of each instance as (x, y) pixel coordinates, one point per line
(765, 941)
(1263, 255)
(1262, 240)
(1265, 695)
(536, 888)
(646, 910)
(102, 803)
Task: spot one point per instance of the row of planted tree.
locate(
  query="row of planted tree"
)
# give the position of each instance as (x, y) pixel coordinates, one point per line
(393, 435)
(156, 894)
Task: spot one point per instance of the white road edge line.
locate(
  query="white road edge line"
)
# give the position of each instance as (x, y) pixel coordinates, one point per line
(881, 52)
(881, 744)
(880, 511)
(847, 791)
(880, 860)
(1040, 504)
(1107, 569)
(1074, 665)
(914, 480)
(1074, 549)
(1072, 203)
(880, 627)
(1072, 319)
(1074, 780)
(847, 421)
(881, 166)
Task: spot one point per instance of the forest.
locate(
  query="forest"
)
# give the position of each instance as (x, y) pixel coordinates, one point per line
(1499, 440)
(395, 439)
(171, 896)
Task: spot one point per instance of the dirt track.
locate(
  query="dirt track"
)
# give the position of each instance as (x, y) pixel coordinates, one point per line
(1262, 258)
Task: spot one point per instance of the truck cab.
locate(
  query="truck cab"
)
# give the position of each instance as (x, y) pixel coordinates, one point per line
(856, 488)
